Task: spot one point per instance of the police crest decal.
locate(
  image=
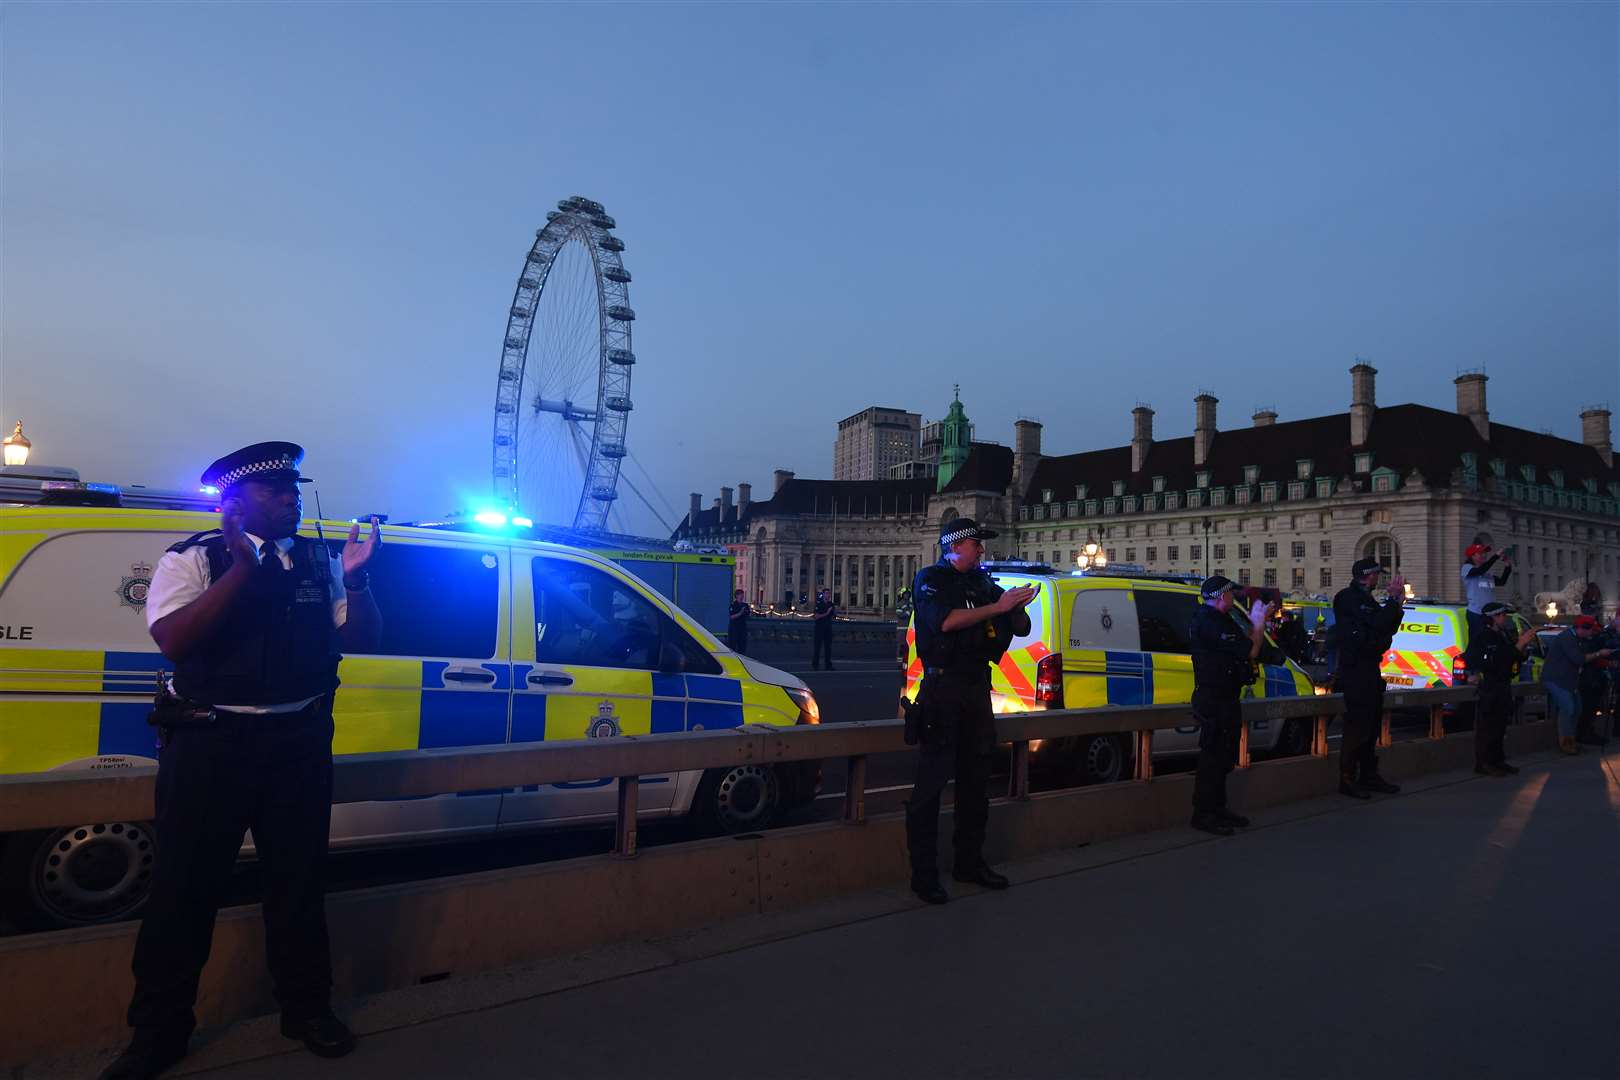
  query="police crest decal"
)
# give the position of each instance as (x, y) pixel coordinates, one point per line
(605, 724)
(133, 588)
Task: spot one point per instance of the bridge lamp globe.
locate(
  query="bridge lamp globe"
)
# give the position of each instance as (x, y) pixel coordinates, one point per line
(16, 446)
(1552, 610)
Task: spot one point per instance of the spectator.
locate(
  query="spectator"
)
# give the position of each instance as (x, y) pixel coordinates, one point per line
(821, 644)
(1478, 584)
(1567, 656)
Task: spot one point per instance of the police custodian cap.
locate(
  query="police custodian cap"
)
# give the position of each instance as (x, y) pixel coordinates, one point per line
(1214, 586)
(1363, 567)
(962, 529)
(1495, 607)
(269, 461)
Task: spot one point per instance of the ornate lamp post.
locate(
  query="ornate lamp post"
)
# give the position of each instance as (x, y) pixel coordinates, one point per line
(16, 446)
(1091, 556)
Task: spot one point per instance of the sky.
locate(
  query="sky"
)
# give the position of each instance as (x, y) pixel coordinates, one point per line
(227, 223)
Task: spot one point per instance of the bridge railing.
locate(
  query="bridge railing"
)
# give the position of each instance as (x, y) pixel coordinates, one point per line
(76, 796)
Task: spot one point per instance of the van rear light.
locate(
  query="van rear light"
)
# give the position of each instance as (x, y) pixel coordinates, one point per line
(1049, 681)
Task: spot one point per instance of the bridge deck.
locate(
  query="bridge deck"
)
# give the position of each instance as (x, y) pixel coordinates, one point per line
(1469, 929)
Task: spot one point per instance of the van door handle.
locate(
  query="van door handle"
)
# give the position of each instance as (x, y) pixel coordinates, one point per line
(481, 675)
(550, 678)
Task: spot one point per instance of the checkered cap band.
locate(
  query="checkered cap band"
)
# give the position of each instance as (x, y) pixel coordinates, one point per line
(960, 534)
(243, 472)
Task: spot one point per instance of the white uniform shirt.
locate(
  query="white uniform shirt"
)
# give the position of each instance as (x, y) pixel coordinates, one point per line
(182, 576)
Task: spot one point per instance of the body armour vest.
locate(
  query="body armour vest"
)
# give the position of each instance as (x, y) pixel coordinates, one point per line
(276, 645)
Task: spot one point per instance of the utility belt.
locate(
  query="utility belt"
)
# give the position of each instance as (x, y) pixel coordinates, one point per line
(170, 711)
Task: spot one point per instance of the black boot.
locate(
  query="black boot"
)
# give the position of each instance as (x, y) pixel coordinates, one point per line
(1228, 818)
(1349, 787)
(325, 1035)
(928, 889)
(1379, 784)
(147, 1056)
(982, 875)
(1209, 821)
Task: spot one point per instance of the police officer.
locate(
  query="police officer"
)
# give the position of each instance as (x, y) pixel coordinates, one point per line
(964, 622)
(822, 628)
(1365, 630)
(1223, 658)
(1497, 656)
(252, 616)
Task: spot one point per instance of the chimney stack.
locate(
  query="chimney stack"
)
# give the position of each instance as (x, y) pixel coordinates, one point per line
(1471, 401)
(725, 504)
(1363, 402)
(1026, 453)
(1141, 435)
(1595, 432)
(696, 509)
(782, 476)
(745, 495)
(1203, 426)
(1265, 417)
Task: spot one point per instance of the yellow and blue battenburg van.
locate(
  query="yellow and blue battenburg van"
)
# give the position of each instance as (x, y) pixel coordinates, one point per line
(1102, 638)
(1429, 648)
(487, 640)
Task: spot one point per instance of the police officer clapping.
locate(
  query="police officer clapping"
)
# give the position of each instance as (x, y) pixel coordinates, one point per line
(1365, 630)
(1223, 659)
(1497, 655)
(252, 615)
(964, 623)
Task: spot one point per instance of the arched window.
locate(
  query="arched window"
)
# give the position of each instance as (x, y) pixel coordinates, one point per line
(1385, 550)
(950, 514)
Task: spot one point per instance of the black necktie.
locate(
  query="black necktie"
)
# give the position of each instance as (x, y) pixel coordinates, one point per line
(270, 558)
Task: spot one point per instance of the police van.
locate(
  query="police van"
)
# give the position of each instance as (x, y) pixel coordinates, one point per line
(1115, 637)
(1429, 648)
(487, 639)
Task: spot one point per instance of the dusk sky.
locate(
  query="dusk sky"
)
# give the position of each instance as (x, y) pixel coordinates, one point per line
(226, 223)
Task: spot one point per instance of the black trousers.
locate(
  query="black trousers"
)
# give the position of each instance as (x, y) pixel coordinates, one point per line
(821, 645)
(1219, 722)
(1491, 714)
(1363, 717)
(271, 774)
(958, 740)
(737, 639)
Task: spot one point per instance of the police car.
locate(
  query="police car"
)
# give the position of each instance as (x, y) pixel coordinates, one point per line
(1429, 648)
(1115, 637)
(488, 639)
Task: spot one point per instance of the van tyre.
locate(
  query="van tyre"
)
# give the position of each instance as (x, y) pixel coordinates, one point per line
(1103, 759)
(1295, 739)
(79, 876)
(743, 798)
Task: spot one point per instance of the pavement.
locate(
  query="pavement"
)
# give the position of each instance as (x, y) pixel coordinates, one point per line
(1469, 927)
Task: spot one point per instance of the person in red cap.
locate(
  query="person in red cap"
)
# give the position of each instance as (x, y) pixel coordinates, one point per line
(1478, 583)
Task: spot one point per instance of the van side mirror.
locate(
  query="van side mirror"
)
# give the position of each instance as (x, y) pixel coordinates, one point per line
(671, 661)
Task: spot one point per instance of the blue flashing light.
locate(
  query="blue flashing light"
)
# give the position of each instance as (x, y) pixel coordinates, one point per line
(105, 489)
(492, 518)
(209, 489)
(523, 522)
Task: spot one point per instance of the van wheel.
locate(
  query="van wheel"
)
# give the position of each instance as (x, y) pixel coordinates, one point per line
(1103, 759)
(78, 876)
(740, 799)
(1295, 739)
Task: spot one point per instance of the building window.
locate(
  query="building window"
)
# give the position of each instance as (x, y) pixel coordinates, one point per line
(1556, 476)
(1046, 495)
(1326, 579)
(1324, 488)
(1298, 584)
(1195, 499)
(1158, 483)
(1172, 500)
(1385, 550)
(1111, 555)
(1299, 549)
(1152, 554)
(1271, 549)
(1243, 551)
(1040, 556)
(1220, 551)
(1244, 577)
(1203, 480)
(1173, 553)
(1119, 487)
(1023, 513)
(1130, 504)
(1130, 554)
(1251, 474)
(1195, 551)
(1152, 529)
(1074, 507)
(1363, 463)
(1271, 577)
(1296, 490)
(1217, 497)
(1110, 505)
(1302, 469)
(1383, 482)
(1242, 494)
(1268, 492)
(1130, 531)
(1091, 507)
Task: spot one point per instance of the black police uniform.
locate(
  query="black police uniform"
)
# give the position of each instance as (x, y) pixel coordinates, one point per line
(221, 773)
(821, 637)
(1498, 660)
(737, 627)
(1221, 669)
(957, 730)
(1365, 629)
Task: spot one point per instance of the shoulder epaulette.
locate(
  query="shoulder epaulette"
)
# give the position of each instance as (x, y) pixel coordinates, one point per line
(196, 540)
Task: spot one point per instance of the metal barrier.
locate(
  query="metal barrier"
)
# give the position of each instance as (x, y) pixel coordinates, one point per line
(72, 797)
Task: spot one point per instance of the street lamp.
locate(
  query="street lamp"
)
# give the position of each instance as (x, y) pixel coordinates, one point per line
(16, 446)
(1091, 557)
(1552, 610)
(1207, 524)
